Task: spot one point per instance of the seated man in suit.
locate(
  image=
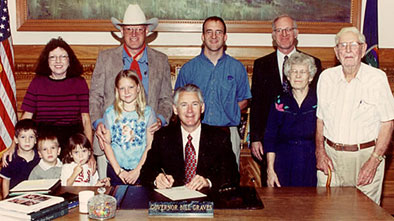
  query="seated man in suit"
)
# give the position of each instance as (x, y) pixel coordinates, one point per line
(190, 153)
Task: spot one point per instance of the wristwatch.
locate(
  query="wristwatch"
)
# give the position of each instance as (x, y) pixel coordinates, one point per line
(378, 157)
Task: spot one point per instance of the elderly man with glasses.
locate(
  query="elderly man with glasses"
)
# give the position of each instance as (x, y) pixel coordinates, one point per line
(355, 119)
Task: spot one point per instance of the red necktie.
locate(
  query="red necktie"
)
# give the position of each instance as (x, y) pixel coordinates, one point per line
(134, 64)
(190, 160)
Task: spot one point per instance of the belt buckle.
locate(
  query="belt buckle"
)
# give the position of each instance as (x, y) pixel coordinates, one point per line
(339, 146)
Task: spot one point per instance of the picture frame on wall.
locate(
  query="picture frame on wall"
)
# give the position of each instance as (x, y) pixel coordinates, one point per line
(241, 16)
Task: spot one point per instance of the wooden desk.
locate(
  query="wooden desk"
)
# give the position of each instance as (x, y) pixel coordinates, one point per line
(344, 203)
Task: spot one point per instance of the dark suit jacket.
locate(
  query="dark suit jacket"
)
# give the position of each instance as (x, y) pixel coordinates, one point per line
(266, 85)
(216, 160)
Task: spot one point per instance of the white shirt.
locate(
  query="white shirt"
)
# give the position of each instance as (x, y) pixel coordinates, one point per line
(353, 111)
(196, 144)
(195, 139)
(85, 178)
(281, 58)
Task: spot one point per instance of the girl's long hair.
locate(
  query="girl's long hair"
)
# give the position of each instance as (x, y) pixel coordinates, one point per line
(140, 103)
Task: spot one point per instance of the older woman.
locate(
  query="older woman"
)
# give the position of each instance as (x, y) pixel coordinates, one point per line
(58, 96)
(289, 139)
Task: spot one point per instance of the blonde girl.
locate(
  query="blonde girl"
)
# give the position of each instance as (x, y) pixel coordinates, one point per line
(127, 121)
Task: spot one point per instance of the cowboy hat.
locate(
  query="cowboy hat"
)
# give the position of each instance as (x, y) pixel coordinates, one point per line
(135, 16)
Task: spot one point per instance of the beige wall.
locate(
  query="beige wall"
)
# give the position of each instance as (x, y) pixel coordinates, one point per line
(235, 39)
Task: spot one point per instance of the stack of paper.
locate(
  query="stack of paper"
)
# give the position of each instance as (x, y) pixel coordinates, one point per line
(180, 193)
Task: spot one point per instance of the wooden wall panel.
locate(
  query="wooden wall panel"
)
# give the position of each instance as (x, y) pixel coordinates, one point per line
(26, 56)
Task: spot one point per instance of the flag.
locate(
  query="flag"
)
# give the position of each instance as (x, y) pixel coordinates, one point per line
(370, 31)
(8, 115)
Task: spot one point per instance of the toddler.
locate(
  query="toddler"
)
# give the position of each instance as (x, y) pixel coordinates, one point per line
(49, 166)
(75, 171)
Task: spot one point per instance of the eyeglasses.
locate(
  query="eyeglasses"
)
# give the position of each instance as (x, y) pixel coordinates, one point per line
(217, 32)
(298, 72)
(61, 57)
(138, 30)
(287, 30)
(352, 45)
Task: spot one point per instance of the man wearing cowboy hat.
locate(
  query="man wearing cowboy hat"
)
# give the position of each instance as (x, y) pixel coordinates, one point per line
(151, 66)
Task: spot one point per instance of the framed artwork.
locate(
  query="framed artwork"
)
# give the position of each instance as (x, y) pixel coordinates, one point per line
(250, 16)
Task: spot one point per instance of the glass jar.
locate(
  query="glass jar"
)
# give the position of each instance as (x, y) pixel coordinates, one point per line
(102, 206)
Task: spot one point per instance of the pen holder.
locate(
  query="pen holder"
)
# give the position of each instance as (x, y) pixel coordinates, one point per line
(102, 206)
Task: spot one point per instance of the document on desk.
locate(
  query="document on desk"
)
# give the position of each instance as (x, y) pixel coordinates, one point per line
(180, 193)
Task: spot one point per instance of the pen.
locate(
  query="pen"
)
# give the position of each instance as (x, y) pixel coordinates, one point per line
(164, 172)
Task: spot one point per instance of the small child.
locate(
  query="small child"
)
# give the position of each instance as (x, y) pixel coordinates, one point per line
(49, 167)
(24, 159)
(75, 170)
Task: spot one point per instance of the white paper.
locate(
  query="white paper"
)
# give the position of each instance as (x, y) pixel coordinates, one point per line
(180, 193)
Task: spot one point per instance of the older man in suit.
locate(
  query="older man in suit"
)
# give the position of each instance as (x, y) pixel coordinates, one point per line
(190, 153)
(268, 80)
(152, 67)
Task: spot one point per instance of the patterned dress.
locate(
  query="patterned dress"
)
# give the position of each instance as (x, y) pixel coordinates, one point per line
(290, 133)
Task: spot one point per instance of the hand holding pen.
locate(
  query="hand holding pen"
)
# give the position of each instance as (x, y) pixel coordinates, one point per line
(164, 181)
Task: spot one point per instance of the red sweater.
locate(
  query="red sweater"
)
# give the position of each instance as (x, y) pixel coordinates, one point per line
(57, 102)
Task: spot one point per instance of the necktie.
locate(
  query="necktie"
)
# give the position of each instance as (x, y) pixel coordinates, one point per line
(285, 82)
(134, 66)
(190, 160)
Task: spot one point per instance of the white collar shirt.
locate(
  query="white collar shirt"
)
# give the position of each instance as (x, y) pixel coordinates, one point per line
(281, 58)
(195, 139)
(353, 111)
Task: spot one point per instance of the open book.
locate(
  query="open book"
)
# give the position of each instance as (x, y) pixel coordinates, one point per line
(37, 186)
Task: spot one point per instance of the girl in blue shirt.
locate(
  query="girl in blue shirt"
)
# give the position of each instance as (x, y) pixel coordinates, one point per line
(127, 121)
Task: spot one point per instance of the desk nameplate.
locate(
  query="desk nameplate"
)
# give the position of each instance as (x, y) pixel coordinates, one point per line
(182, 208)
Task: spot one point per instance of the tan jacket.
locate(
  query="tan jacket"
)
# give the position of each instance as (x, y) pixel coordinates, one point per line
(109, 63)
